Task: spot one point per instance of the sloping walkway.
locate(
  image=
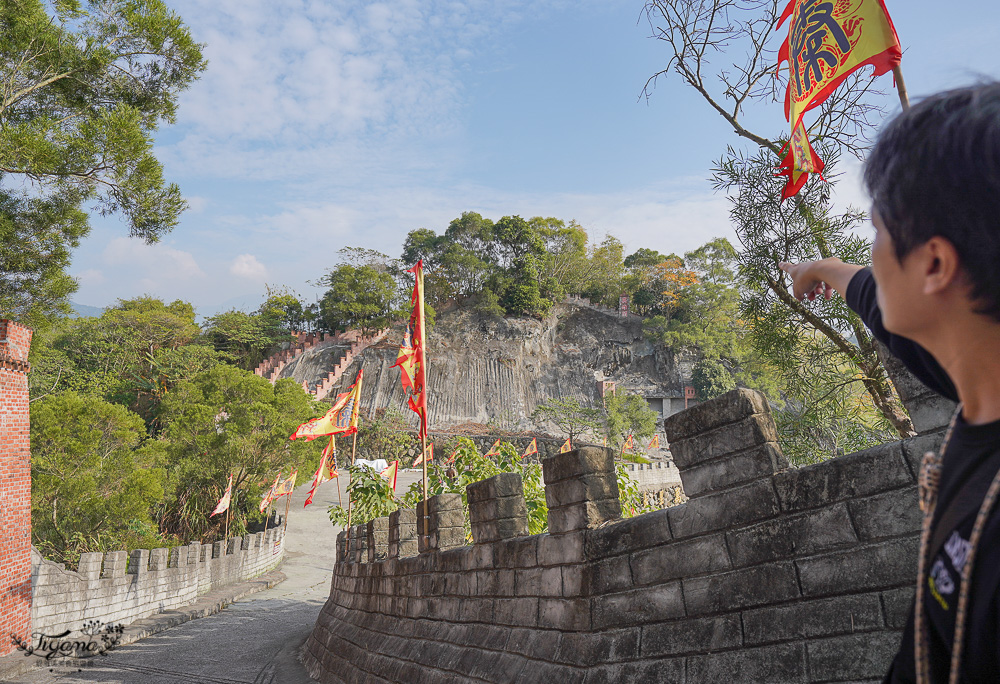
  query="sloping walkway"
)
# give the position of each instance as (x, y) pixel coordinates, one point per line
(255, 640)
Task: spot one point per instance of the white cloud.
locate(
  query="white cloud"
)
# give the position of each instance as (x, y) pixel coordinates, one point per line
(247, 266)
(91, 276)
(158, 261)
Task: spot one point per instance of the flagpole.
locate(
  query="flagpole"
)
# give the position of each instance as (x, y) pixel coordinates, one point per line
(288, 502)
(226, 537)
(904, 98)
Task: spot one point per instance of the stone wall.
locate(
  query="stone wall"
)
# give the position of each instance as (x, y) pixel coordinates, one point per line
(15, 485)
(122, 588)
(767, 574)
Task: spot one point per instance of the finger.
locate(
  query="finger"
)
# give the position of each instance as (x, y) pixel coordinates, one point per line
(829, 291)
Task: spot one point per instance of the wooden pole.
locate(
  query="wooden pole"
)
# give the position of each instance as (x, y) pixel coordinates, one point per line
(904, 98)
(340, 501)
(354, 450)
(288, 502)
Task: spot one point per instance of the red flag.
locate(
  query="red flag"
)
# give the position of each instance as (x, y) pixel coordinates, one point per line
(317, 479)
(566, 447)
(531, 448)
(412, 352)
(223, 504)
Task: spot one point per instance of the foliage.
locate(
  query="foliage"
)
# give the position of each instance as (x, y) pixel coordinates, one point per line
(632, 500)
(227, 420)
(95, 478)
(627, 414)
(85, 86)
(362, 297)
(370, 494)
(569, 415)
(384, 434)
(711, 379)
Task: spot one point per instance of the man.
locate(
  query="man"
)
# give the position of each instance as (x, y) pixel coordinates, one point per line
(933, 297)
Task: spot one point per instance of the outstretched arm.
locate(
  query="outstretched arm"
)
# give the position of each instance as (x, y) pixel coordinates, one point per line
(812, 278)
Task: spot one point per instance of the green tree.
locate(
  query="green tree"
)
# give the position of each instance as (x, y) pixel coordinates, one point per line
(94, 475)
(229, 421)
(570, 416)
(84, 86)
(627, 414)
(711, 379)
(724, 50)
(358, 297)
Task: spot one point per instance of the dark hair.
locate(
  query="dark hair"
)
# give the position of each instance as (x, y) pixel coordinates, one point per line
(935, 171)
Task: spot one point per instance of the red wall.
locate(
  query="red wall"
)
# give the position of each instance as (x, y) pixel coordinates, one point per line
(15, 485)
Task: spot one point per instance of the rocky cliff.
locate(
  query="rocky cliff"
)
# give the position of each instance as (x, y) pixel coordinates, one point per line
(484, 369)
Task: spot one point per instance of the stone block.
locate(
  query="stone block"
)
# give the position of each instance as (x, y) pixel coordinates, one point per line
(520, 552)
(668, 671)
(158, 559)
(498, 486)
(630, 534)
(568, 615)
(777, 664)
(589, 649)
(497, 509)
(885, 565)
(519, 612)
(897, 604)
(752, 431)
(90, 565)
(489, 532)
(914, 449)
(583, 488)
(891, 514)
(586, 460)
(533, 643)
(639, 606)
(138, 562)
(810, 619)
(736, 469)
(739, 589)
(680, 559)
(728, 408)
(691, 636)
(218, 549)
(583, 515)
(233, 545)
(871, 655)
(607, 576)
(872, 471)
(750, 503)
(402, 533)
(819, 530)
(563, 548)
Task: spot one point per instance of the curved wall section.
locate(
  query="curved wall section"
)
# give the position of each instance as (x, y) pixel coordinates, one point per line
(767, 574)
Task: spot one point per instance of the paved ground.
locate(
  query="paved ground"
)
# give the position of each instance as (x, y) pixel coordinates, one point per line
(255, 640)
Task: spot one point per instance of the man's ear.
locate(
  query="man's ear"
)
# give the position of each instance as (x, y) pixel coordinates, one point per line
(942, 267)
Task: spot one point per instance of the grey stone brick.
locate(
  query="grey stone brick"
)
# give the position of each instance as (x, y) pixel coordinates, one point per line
(521, 552)
(564, 614)
(518, 612)
(780, 664)
(819, 530)
(887, 515)
(534, 643)
(914, 449)
(586, 460)
(898, 604)
(680, 559)
(750, 503)
(735, 469)
(562, 549)
(498, 508)
(692, 636)
(589, 649)
(626, 535)
(744, 588)
(749, 432)
(728, 408)
(583, 488)
(502, 485)
(808, 619)
(650, 672)
(607, 576)
(881, 566)
(860, 474)
(870, 653)
(583, 515)
(638, 606)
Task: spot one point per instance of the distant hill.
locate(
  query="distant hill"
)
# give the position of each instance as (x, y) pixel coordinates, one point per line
(83, 310)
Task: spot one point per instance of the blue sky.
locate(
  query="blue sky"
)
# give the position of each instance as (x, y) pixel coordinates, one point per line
(321, 124)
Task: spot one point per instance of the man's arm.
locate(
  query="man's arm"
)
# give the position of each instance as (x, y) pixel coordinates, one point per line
(812, 278)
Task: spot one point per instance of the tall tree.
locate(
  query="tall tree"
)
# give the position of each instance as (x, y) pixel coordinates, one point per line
(83, 86)
(726, 50)
(359, 297)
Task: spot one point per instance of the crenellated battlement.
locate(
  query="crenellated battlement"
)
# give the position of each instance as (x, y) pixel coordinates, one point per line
(767, 573)
(119, 587)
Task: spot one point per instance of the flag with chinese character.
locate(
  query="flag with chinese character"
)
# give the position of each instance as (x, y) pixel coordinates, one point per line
(269, 494)
(827, 41)
(341, 419)
(330, 454)
(566, 447)
(629, 444)
(429, 453)
(654, 443)
(223, 504)
(412, 352)
(286, 486)
(494, 450)
(318, 478)
(531, 448)
(390, 472)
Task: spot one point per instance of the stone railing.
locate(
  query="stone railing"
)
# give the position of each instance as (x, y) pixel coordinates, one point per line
(576, 300)
(121, 588)
(358, 346)
(272, 365)
(766, 573)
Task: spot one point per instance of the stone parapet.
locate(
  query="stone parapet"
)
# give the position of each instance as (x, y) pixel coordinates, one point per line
(581, 489)
(497, 509)
(440, 523)
(778, 574)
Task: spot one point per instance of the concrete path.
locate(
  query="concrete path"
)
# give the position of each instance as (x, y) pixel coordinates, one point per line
(255, 640)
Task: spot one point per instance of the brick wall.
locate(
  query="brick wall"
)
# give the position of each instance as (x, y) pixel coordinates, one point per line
(121, 588)
(767, 574)
(15, 485)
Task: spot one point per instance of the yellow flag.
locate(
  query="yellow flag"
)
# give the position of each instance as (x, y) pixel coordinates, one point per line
(531, 448)
(341, 419)
(269, 494)
(287, 486)
(826, 42)
(494, 450)
(390, 473)
(566, 447)
(654, 443)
